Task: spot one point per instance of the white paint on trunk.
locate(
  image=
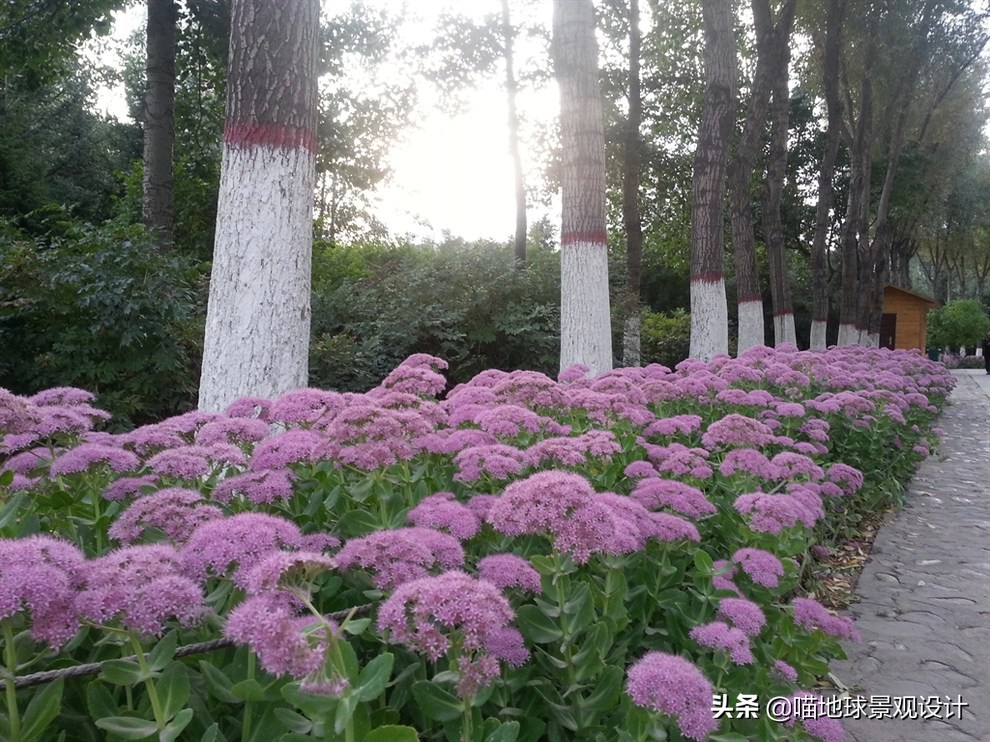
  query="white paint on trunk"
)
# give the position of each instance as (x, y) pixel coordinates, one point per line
(783, 330)
(751, 328)
(585, 321)
(870, 339)
(257, 325)
(848, 334)
(709, 319)
(632, 340)
(818, 334)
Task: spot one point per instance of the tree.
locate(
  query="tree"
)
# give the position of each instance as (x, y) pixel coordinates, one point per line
(709, 313)
(585, 325)
(257, 328)
(631, 173)
(830, 47)
(773, 186)
(158, 120)
(749, 296)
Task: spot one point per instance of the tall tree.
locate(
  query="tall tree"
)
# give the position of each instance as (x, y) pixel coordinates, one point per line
(773, 186)
(511, 92)
(257, 327)
(158, 119)
(631, 173)
(749, 295)
(585, 325)
(709, 313)
(830, 47)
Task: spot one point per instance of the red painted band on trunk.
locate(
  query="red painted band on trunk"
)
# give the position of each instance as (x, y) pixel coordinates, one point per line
(594, 238)
(783, 314)
(241, 134)
(750, 299)
(708, 277)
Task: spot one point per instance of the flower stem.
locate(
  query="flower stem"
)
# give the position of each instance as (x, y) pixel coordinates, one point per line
(467, 722)
(149, 684)
(10, 655)
(246, 724)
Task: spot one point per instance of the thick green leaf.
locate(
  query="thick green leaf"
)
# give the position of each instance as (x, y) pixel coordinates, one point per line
(505, 733)
(608, 689)
(211, 733)
(174, 728)
(535, 626)
(122, 672)
(435, 702)
(579, 611)
(294, 721)
(249, 690)
(374, 677)
(127, 726)
(42, 709)
(217, 684)
(311, 704)
(392, 733)
(99, 701)
(173, 689)
(164, 651)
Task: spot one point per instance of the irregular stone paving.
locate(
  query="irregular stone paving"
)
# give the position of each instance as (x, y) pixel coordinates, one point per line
(924, 596)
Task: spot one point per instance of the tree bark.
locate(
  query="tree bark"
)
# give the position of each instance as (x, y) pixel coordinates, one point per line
(159, 121)
(826, 172)
(511, 90)
(585, 323)
(631, 220)
(709, 313)
(257, 329)
(773, 228)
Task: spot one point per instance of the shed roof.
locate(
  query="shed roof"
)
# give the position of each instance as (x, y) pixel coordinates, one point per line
(920, 297)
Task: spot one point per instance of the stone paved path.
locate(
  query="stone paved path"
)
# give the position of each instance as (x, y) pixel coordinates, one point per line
(924, 596)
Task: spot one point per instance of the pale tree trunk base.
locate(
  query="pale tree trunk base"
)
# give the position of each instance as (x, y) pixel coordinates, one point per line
(818, 334)
(257, 328)
(752, 332)
(783, 330)
(585, 323)
(709, 319)
(848, 334)
(631, 341)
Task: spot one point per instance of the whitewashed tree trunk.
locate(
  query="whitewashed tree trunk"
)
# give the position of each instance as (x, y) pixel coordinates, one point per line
(585, 319)
(848, 334)
(709, 319)
(752, 332)
(632, 346)
(783, 329)
(818, 334)
(257, 327)
(709, 311)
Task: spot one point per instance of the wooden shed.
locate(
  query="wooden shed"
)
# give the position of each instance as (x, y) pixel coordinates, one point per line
(904, 324)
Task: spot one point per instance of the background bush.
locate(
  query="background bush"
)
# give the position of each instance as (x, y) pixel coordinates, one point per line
(100, 308)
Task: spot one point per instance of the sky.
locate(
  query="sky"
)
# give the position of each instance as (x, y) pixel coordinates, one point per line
(449, 174)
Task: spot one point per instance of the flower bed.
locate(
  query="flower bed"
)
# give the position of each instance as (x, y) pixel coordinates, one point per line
(525, 559)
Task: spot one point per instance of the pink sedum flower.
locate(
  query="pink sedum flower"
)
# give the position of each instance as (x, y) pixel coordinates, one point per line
(762, 567)
(39, 576)
(509, 570)
(142, 589)
(719, 635)
(175, 511)
(399, 555)
(672, 685)
(442, 512)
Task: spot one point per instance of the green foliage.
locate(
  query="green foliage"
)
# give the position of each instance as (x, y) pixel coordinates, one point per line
(666, 337)
(373, 307)
(99, 308)
(958, 324)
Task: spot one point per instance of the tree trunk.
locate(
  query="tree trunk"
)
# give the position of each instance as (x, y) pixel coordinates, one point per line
(709, 314)
(631, 167)
(511, 89)
(826, 172)
(585, 324)
(773, 228)
(159, 121)
(749, 297)
(257, 328)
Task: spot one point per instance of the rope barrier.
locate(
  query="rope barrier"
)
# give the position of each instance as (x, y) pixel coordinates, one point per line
(93, 668)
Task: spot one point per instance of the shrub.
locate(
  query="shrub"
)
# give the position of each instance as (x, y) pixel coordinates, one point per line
(666, 337)
(526, 559)
(99, 308)
(958, 324)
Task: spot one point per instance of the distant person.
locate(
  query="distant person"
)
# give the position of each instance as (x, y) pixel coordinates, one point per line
(986, 351)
